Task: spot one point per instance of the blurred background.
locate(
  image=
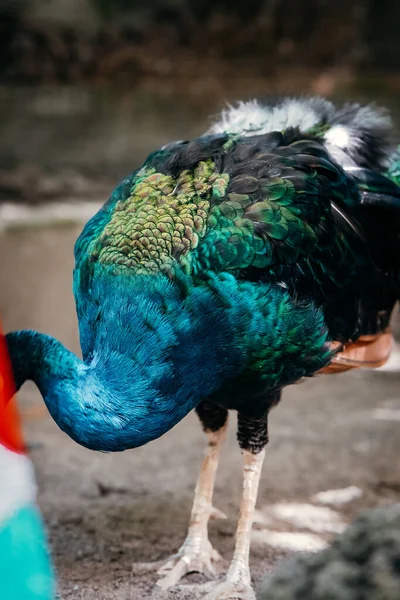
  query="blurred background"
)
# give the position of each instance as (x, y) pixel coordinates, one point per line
(87, 89)
(93, 86)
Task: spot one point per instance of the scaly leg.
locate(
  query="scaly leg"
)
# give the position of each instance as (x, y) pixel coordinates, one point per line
(238, 580)
(197, 553)
(252, 438)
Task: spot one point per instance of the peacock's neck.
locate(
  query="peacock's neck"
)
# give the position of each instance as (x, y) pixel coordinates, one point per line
(57, 372)
(149, 358)
(41, 358)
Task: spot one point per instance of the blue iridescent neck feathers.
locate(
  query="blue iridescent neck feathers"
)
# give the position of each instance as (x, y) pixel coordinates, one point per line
(153, 349)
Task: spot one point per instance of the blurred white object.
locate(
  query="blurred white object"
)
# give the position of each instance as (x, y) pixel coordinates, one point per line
(387, 414)
(340, 496)
(22, 215)
(298, 542)
(319, 519)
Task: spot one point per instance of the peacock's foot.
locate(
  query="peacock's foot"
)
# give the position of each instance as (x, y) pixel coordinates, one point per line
(196, 555)
(225, 590)
(229, 590)
(236, 586)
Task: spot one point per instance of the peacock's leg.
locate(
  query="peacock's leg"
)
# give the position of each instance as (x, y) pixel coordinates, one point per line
(252, 437)
(237, 583)
(197, 554)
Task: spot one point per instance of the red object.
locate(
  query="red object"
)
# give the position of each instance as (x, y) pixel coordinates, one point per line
(10, 427)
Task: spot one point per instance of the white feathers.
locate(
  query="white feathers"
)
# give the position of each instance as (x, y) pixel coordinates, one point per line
(354, 135)
(339, 136)
(358, 136)
(250, 118)
(246, 118)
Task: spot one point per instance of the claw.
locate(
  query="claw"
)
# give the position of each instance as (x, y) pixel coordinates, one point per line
(192, 557)
(173, 573)
(228, 590)
(225, 590)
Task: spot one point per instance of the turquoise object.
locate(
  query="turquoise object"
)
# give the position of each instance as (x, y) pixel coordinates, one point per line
(26, 572)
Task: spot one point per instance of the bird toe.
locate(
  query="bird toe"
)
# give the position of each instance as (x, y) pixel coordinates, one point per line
(231, 591)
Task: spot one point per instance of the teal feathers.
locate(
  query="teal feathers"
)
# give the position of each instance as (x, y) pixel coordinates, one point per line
(393, 171)
(224, 267)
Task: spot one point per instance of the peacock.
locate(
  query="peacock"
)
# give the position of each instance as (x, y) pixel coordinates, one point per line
(222, 270)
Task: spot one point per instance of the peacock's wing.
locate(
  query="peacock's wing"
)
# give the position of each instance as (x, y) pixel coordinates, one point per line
(290, 215)
(276, 216)
(273, 207)
(220, 203)
(96, 224)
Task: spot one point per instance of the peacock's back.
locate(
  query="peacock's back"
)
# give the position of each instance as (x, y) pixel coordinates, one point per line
(292, 207)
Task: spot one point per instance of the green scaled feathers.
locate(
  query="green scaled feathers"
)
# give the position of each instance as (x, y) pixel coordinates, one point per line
(161, 221)
(230, 242)
(276, 222)
(197, 217)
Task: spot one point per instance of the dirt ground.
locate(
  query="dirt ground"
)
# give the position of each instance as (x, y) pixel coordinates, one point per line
(104, 513)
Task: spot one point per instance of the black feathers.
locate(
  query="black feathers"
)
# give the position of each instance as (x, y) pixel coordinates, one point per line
(188, 154)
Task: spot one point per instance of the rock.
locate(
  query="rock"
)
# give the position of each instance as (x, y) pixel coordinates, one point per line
(361, 564)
